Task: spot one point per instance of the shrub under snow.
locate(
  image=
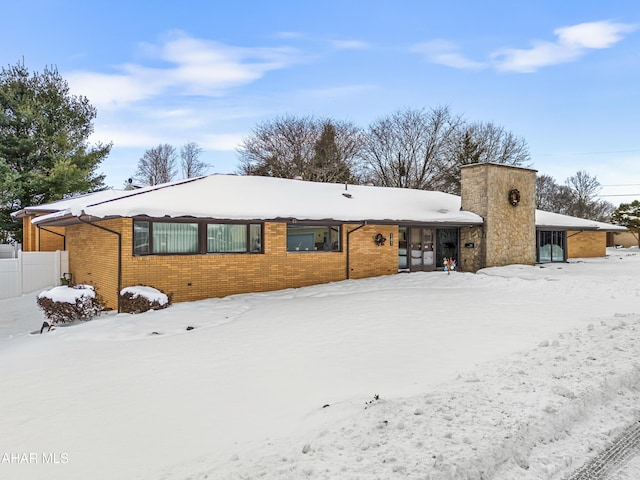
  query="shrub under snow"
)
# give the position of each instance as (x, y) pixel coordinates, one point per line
(66, 304)
(140, 299)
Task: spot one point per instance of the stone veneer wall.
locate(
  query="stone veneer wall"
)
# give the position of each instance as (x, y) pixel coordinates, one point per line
(625, 239)
(509, 233)
(93, 260)
(471, 258)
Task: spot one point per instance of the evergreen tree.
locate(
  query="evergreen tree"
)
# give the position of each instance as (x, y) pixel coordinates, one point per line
(44, 150)
(628, 215)
(327, 164)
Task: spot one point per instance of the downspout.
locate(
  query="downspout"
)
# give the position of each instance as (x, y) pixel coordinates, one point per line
(119, 254)
(64, 238)
(348, 243)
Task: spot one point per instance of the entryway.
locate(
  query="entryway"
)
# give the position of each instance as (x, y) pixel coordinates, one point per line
(422, 249)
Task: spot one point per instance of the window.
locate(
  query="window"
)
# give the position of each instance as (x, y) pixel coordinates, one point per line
(551, 246)
(234, 238)
(140, 238)
(200, 237)
(313, 238)
(175, 237)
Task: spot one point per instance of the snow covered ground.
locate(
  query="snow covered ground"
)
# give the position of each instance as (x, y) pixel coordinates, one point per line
(516, 372)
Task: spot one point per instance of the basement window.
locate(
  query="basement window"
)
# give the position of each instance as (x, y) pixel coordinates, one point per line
(313, 238)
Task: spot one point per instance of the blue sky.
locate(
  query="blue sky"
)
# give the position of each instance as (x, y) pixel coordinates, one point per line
(563, 75)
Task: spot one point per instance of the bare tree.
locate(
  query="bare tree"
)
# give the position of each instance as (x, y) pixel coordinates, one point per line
(190, 161)
(157, 165)
(315, 149)
(552, 197)
(578, 197)
(480, 142)
(407, 148)
(584, 190)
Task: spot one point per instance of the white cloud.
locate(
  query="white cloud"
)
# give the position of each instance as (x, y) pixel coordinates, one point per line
(341, 91)
(572, 43)
(288, 35)
(223, 141)
(126, 137)
(594, 34)
(444, 52)
(191, 67)
(350, 44)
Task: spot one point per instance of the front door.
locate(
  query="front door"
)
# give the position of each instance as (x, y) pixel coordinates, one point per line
(421, 251)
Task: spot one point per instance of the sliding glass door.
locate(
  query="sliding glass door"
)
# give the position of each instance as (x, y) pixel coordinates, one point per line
(551, 246)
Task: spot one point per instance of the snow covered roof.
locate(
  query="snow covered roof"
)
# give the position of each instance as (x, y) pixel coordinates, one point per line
(68, 203)
(231, 197)
(556, 220)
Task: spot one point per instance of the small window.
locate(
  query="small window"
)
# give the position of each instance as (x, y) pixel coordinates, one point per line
(140, 238)
(175, 237)
(312, 238)
(255, 238)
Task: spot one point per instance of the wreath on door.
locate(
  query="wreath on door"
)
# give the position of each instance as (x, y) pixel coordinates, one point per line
(379, 239)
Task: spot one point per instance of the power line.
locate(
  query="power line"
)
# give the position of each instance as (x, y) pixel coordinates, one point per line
(623, 185)
(583, 153)
(621, 195)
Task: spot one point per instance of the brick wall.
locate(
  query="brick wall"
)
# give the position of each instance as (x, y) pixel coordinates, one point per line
(28, 235)
(586, 244)
(368, 259)
(93, 259)
(39, 240)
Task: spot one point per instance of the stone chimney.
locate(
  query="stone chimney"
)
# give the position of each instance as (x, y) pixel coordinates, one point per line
(505, 197)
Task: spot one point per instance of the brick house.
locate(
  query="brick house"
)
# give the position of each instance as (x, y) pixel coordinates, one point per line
(224, 234)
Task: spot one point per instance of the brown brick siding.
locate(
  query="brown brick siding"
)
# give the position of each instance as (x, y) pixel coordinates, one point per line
(36, 239)
(368, 259)
(93, 260)
(586, 244)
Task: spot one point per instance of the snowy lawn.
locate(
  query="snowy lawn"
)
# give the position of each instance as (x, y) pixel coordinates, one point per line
(514, 372)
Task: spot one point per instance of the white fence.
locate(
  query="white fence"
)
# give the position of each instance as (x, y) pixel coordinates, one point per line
(31, 271)
(9, 251)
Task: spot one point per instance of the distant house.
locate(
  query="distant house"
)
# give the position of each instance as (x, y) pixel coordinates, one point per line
(224, 234)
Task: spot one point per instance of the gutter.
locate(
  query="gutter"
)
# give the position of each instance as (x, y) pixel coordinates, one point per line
(348, 243)
(119, 254)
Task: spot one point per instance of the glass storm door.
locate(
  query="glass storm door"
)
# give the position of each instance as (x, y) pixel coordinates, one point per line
(421, 252)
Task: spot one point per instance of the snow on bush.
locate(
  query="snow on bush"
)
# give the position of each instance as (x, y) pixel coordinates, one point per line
(140, 299)
(66, 304)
